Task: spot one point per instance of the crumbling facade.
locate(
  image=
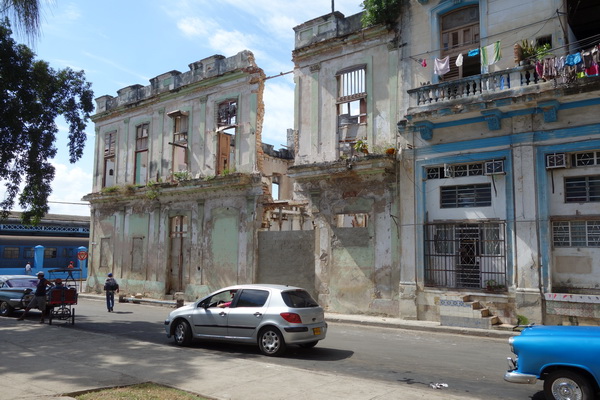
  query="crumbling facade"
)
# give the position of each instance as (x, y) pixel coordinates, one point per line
(179, 183)
(345, 168)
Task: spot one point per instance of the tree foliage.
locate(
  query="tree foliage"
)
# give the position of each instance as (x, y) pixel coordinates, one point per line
(32, 96)
(25, 13)
(380, 11)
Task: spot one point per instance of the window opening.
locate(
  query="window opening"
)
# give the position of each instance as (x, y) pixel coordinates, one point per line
(477, 195)
(356, 220)
(10, 252)
(352, 96)
(459, 34)
(586, 159)
(465, 255)
(110, 140)
(582, 189)
(180, 140)
(576, 233)
(141, 154)
(50, 252)
(226, 123)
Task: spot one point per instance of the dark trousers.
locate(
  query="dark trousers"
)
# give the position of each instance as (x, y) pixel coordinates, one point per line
(110, 299)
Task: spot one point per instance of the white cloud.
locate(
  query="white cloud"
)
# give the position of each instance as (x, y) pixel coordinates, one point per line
(279, 112)
(70, 184)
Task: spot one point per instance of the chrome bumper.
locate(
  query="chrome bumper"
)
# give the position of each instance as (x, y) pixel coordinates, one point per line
(517, 377)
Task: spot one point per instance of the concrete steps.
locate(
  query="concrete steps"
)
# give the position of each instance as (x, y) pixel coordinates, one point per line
(467, 313)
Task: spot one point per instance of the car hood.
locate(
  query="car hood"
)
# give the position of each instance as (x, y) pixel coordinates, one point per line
(552, 330)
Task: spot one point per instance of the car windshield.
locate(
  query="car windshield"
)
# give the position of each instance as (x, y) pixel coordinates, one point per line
(22, 283)
(298, 299)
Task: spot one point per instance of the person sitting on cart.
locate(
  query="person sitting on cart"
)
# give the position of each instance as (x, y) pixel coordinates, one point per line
(39, 297)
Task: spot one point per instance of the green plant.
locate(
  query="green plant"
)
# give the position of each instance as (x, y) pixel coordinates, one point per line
(152, 190)
(531, 51)
(182, 176)
(130, 188)
(522, 320)
(361, 146)
(228, 171)
(380, 12)
(109, 189)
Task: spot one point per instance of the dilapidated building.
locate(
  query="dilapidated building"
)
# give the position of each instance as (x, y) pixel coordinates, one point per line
(347, 88)
(181, 176)
(446, 167)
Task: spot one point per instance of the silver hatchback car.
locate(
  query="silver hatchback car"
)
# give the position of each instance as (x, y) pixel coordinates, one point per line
(272, 316)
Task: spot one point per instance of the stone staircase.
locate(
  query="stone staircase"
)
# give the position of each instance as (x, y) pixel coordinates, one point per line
(463, 311)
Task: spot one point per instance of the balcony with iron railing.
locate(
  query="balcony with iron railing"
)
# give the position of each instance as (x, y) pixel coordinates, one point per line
(473, 88)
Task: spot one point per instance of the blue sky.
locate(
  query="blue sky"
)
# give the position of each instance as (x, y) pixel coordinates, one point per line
(124, 42)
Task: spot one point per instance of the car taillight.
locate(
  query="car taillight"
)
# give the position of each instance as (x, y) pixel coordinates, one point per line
(291, 317)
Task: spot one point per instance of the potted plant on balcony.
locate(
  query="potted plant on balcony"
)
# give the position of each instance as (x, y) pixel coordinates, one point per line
(361, 146)
(527, 52)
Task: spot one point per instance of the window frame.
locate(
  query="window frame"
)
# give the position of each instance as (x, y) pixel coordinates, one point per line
(586, 190)
(563, 233)
(474, 63)
(351, 99)
(109, 159)
(466, 196)
(142, 138)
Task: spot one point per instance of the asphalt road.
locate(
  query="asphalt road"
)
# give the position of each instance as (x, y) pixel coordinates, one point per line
(466, 364)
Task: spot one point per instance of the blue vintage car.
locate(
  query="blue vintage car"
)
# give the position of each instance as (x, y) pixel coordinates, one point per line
(15, 292)
(566, 358)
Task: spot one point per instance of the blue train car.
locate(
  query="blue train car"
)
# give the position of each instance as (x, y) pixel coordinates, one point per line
(17, 251)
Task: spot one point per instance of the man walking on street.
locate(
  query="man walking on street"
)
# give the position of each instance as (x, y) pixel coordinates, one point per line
(39, 297)
(110, 287)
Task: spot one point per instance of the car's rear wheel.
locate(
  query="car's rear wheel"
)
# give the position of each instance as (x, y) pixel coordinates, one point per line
(182, 333)
(567, 385)
(309, 345)
(271, 342)
(6, 309)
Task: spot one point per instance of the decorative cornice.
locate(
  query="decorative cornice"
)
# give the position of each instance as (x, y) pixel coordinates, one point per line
(425, 129)
(550, 110)
(493, 119)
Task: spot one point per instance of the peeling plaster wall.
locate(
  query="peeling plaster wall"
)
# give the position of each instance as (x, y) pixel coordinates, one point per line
(221, 215)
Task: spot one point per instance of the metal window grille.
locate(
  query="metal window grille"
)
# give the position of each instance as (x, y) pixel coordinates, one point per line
(576, 233)
(582, 189)
(465, 255)
(457, 170)
(477, 195)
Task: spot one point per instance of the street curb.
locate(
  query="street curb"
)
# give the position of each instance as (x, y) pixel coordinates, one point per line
(376, 321)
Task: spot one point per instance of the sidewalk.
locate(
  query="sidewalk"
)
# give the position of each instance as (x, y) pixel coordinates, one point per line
(43, 361)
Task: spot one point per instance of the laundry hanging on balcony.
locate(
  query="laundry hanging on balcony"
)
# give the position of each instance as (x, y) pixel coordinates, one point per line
(491, 54)
(441, 66)
(459, 60)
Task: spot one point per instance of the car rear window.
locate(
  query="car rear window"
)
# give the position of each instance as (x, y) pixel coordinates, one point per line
(298, 299)
(22, 283)
(252, 298)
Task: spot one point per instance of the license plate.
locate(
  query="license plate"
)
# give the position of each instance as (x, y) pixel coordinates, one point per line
(316, 331)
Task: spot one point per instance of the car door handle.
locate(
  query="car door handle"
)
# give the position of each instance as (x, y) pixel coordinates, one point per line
(257, 314)
(222, 313)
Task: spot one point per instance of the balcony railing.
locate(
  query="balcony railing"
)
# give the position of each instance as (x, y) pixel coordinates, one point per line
(474, 86)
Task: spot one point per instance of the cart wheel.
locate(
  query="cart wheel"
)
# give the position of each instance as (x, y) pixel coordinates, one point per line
(73, 316)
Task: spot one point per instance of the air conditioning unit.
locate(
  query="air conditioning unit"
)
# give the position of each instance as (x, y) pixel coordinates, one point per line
(557, 160)
(494, 167)
(448, 171)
